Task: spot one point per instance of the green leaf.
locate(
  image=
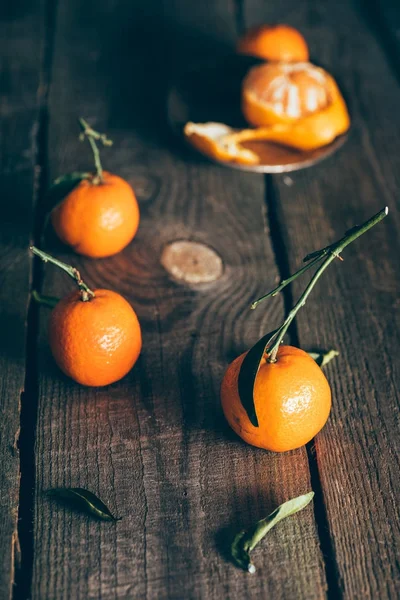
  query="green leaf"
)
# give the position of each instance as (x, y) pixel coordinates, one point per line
(247, 377)
(85, 500)
(251, 365)
(246, 540)
(49, 301)
(323, 358)
(63, 185)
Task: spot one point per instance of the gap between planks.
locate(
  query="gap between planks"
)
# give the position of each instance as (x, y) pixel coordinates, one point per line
(282, 262)
(274, 221)
(23, 558)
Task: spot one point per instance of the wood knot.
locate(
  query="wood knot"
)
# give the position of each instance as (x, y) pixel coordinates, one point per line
(192, 262)
(146, 188)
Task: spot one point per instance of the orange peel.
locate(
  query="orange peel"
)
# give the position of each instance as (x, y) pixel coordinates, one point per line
(210, 139)
(295, 105)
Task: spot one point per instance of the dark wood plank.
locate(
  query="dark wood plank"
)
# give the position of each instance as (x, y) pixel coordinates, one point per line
(355, 307)
(155, 446)
(383, 17)
(20, 27)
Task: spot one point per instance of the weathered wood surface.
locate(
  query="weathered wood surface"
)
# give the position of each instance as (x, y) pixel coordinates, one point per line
(383, 18)
(355, 307)
(20, 65)
(155, 446)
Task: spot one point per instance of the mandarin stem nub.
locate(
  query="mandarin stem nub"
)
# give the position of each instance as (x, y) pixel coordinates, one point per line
(86, 293)
(92, 136)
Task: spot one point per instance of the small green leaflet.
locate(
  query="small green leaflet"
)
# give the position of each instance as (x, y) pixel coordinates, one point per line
(323, 358)
(246, 540)
(49, 301)
(64, 185)
(84, 500)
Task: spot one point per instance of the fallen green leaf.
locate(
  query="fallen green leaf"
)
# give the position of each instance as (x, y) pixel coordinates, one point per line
(323, 358)
(85, 500)
(246, 540)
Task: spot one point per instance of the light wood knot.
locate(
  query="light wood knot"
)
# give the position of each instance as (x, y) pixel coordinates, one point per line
(192, 262)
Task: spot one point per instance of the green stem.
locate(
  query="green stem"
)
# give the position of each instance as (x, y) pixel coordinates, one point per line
(93, 136)
(86, 293)
(286, 282)
(333, 252)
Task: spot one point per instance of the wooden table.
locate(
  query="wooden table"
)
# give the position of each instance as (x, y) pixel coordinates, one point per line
(155, 446)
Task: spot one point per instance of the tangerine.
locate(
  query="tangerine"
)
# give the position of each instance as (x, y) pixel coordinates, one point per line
(292, 399)
(99, 217)
(274, 43)
(284, 93)
(95, 342)
(94, 335)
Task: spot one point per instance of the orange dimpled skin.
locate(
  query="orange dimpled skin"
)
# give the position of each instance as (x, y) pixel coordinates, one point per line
(274, 43)
(98, 219)
(95, 342)
(292, 399)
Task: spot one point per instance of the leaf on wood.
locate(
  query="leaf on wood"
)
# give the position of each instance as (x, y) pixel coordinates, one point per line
(246, 540)
(85, 500)
(323, 358)
(247, 377)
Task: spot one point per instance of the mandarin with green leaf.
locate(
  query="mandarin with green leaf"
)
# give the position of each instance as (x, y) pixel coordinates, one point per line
(292, 399)
(275, 396)
(100, 216)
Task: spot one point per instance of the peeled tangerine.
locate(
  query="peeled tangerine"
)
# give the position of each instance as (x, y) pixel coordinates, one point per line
(297, 105)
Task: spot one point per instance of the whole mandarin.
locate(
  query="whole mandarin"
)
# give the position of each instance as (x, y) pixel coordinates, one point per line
(274, 43)
(95, 342)
(292, 398)
(98, 218)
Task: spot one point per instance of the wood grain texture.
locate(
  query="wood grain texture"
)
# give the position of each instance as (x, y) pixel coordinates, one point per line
(383, 18)
(355, 308)
(19, 83)
(155, 446)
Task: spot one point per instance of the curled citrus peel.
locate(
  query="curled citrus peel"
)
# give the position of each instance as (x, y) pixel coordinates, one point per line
(295, 105)
(309, 133)
(213, 139)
